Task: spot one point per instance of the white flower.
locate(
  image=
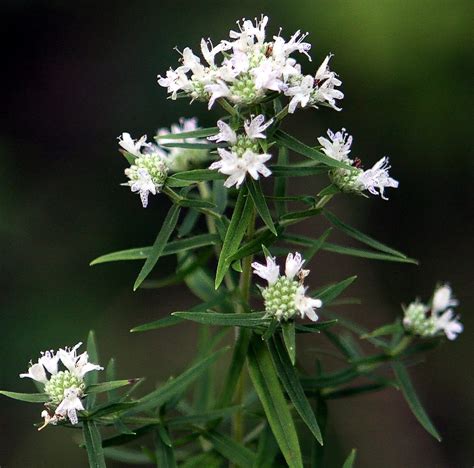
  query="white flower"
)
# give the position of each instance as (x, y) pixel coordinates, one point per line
(338, 146)
(326, 81)
(449, 324)
(269, 272)
(294, 44)
(77, 365)
(306, 305)
(130, 145)
(70, 405)
(49, 360)
(300, 93)
(143, 185)
(376, 179)
(216, 91)
(293, 265)
(268, 76)
(323, 72)
(285, 296)
(443, 298)
(237, 167)
(174, 81)
(225, 133)
(36, 372)
(48, 419)
(256, 126)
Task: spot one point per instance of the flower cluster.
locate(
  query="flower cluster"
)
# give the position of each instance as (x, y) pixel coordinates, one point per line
(65, 388)
(436, 318)
(248, 67)
(152, 162)
(355, 180)
(243, 155)
(285, 295)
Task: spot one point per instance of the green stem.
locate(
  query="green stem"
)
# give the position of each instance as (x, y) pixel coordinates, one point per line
(282, 114)
(324, 201)
(223, 102)
(244, 288)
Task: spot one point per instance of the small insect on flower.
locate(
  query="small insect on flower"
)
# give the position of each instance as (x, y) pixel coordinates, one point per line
(64, 388)
(285, 295)
(427, 320)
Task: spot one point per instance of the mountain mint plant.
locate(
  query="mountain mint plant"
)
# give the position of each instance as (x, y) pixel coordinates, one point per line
(225, 230)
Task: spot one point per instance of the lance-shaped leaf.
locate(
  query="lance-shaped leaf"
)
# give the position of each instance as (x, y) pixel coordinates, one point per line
(299, 147)
(91, 378)
(288, 170)
(291, 382)
(267, 386)
(190, 177)
(279, 189)
(412, 399)
(178, 385)
(199, 133)
(317, 245)
(128, 456)
(202, 418)
(235, 232)
(247, 320)
(28, 397)
(173, 247)
(289, 338)
(93, 443)
(349, 463)
(230, 449)
(255, 190)
(107, 386)
(361, 237)
(161, 323)
(164, 449)
(329, 293)
(161, 239)
(196, 146)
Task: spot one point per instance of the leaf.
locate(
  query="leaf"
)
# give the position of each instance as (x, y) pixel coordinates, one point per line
(299, 147)
(267, 449)
(195, 146)
(159, 244)
(279, 189)
(265, 238)
(110, 408)
(128, 456)
(235, 232)
(317, 244)
(91, 378)
(296, 171)
(292, 385)
(315, 327)
(361, 237)
(267, 386)
(357, 390)
(349, 463)
(255, 190)
(178, 385)
(248, 320)
(329, 293)
(329, 190)
(108, 386)
(288, 332)
(303, 214)
(219, 193)
(412, 399)
(189, 221)
(28, 397)
(200, 418)
(142, 253)
(161, 323)
(389, 329)
(110, 375)
(231, 450)
(93, 442)
(194, 175)
(164, 449)
(199, 133)
(207, 459)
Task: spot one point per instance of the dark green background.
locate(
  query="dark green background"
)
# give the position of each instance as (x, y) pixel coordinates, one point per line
(77, 74)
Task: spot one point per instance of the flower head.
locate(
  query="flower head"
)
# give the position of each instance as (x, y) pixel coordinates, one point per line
(65, 388)
(435, 319)
(285, 296)
(376, 179)
(338, 146)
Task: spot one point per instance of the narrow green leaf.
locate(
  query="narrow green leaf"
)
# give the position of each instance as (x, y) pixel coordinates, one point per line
(173, 247)
(361, 237)
(315, 327)
(267, 449)
(389, 329)
(195, 203)
(164, 450)
(160, 242)
(189, 221)
(255, 245)
(197, 175)
(412, 399)
(235, 232)
(230, 449)
(357, 390)
(267, 386)
(255, 190)
(219, 194)
(128, 456)
(289, 332)
(302, 214)
(269, 332)
(195, 146)
(329, 190)
(317, 244)
(111, 375)
(349, 463)
(279, 189)
(178, 385)
(202, 418)
(299, 147)
(110, 408)
(248, 320)
(199, 133)
(292, 385)
(296, 171)
(28, 397)
(161, 323)
(93, 442)
(107, 386)
(91, 378)
(207, 459)
(329, 293)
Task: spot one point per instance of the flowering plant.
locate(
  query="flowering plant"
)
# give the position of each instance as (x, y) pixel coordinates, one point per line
(215, 174)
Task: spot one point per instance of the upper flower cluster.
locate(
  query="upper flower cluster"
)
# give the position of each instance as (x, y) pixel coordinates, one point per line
(152, 162)
(65, 388)
(433, 319)
(355, 180)
(285, 296)
(247, 67)
(244, 155)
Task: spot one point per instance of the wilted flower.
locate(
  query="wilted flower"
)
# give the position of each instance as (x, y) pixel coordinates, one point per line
(65, 388)
(285, 295)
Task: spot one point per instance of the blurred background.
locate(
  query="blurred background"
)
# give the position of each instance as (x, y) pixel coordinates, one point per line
(78, 74)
